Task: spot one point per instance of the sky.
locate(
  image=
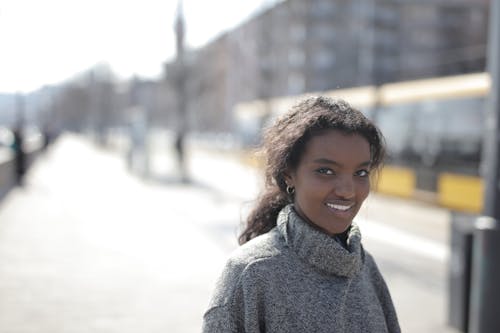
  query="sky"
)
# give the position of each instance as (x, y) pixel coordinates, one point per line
(49, 41)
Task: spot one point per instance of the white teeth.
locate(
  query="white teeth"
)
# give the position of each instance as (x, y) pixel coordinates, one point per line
(339, 207)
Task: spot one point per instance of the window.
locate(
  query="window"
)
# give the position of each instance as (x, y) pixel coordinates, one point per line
(297, 33)
(323, 59)
(296, 58)
(296, 83)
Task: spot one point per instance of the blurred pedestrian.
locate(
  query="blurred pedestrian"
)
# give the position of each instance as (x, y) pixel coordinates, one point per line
(301, 266)
(47, 135)
(19, 155)
(137, 131)
(179, 152)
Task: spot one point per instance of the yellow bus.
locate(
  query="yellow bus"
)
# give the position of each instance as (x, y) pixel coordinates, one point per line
(433, 128)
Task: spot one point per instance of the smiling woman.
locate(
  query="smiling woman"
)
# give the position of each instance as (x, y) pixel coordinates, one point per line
(331, 180)
(302, 267)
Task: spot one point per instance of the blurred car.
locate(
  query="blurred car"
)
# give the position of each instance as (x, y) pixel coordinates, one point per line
(6, 142)
(32, 138)
(6, 137)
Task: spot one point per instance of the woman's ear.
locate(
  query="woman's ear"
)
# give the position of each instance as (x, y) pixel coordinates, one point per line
(287, 175)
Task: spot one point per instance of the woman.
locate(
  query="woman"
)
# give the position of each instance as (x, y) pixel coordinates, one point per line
(302, 267)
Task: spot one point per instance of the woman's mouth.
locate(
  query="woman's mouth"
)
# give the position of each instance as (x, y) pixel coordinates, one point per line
(339, 207)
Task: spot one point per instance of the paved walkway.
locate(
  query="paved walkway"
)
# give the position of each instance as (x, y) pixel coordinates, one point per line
(87, 247)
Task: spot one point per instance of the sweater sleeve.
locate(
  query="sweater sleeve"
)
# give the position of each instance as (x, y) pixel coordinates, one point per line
(222, 315)
(234, 306)
(384, 297)
(219, 319)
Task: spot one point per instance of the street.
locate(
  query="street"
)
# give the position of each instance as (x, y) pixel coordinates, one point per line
(87, 246)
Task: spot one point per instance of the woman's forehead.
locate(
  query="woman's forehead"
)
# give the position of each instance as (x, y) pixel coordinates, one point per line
(338, 145)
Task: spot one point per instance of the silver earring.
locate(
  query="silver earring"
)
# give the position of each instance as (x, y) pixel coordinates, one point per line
(290, 190)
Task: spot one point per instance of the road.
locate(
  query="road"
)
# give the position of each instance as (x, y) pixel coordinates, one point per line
(86, 246)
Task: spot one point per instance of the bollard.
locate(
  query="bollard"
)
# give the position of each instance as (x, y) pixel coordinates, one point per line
(484, 314)
(462, 229)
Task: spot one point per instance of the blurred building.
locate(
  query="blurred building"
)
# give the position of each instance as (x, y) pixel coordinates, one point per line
(416, 39)
(302, 46)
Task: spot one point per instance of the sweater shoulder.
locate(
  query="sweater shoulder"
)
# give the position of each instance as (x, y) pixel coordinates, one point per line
(242, 261)
(264, 246)
(369, 260)
(370, 264)
(257, 252)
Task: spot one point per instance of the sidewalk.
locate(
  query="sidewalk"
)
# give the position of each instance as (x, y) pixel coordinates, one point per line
(88, 247)
(85, 247)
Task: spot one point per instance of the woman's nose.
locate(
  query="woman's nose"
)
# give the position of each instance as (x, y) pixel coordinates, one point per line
(344, 187)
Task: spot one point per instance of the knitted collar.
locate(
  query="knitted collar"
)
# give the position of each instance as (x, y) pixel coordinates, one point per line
(319, 249)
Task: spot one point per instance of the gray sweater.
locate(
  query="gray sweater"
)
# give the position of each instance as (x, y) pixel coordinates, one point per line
(296, 278)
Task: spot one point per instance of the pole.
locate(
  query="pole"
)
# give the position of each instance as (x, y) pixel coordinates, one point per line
(180, 82)
(485, 290)
(492, 139)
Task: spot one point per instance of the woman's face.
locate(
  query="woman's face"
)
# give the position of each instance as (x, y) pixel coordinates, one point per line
(331, 180)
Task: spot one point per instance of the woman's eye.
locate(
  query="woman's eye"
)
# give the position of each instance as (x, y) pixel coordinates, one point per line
(325, 171)
(363, 173)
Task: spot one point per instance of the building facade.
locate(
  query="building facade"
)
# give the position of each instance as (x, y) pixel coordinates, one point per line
(302, 46)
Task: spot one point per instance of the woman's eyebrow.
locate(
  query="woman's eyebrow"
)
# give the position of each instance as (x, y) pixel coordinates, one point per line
(326, 161)
(329, 161)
